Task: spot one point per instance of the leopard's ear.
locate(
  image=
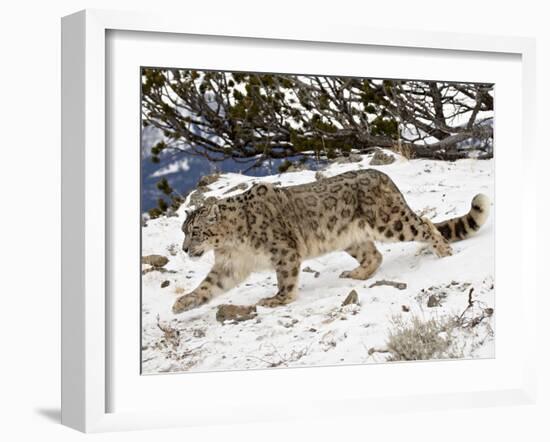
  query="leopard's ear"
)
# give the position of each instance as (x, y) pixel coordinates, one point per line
(213, 214)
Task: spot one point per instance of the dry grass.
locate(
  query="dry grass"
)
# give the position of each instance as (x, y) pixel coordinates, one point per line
(422, 340)
(171, 335)
(403, 150)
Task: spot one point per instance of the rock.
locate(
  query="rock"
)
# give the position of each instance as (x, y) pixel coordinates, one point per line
(164, 284)
(380, 158)
(199, 333)
(288, 324)
(206, 180)
(155, 260)
(156, 269)
(328, 340)
(242, 186)
(196, 198)
(228, 312)
(405, 308)
(351, 158)
(433, 301)
(173, 249)
(297, 167)
(352, 298)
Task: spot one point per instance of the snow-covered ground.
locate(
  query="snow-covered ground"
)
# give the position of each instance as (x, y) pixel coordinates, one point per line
(316, 329)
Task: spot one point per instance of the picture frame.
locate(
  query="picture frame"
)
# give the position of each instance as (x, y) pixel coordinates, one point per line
(87, 214)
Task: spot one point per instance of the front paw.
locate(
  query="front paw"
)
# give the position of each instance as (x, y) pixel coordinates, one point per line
(186, 302)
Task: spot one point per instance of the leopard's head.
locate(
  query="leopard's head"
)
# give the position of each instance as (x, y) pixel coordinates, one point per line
(202, 230)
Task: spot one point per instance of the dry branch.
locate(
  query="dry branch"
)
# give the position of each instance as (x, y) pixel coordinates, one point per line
(397, 285)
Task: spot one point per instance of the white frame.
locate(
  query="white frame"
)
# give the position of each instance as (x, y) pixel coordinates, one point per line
(84, 234)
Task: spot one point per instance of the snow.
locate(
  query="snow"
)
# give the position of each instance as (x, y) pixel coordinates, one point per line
(315, 329)
(175, 167)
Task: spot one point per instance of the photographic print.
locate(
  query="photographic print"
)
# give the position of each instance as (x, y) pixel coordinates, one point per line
(293, 220)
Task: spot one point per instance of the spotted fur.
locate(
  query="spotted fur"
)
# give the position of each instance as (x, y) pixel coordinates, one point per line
(277, 228)
(465, 226)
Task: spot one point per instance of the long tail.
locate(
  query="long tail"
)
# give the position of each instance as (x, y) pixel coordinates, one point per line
(465, 226)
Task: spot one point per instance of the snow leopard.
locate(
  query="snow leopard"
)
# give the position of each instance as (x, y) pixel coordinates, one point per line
(277, 228)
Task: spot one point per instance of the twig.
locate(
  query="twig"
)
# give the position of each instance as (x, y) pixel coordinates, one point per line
(378, 350)
(278, 353)
(476, 320)
(470, 304)
(283, 360)
(269, 363)
(397, 285)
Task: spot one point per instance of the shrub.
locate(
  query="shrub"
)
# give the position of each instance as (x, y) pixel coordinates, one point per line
(422, 340)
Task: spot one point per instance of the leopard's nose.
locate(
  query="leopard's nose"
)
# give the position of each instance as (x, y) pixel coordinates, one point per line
(185, 249)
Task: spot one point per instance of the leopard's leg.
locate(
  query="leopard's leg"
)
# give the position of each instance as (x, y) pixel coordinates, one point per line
(391, 219)
(403, 224)
(369, 260)
(219, 280)
(287, 268)
(423, 230)
(437, 241)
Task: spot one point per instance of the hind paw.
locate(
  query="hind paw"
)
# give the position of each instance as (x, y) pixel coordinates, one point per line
(443, 249)
(274, 301)
(187, 302)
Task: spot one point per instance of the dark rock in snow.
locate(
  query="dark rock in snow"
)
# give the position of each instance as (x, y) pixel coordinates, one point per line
(434, 301)
(352, 298)
(155, 260)
(352, 158)
(228, 312)
(380, 159)
(206, 180)
(242, 186)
